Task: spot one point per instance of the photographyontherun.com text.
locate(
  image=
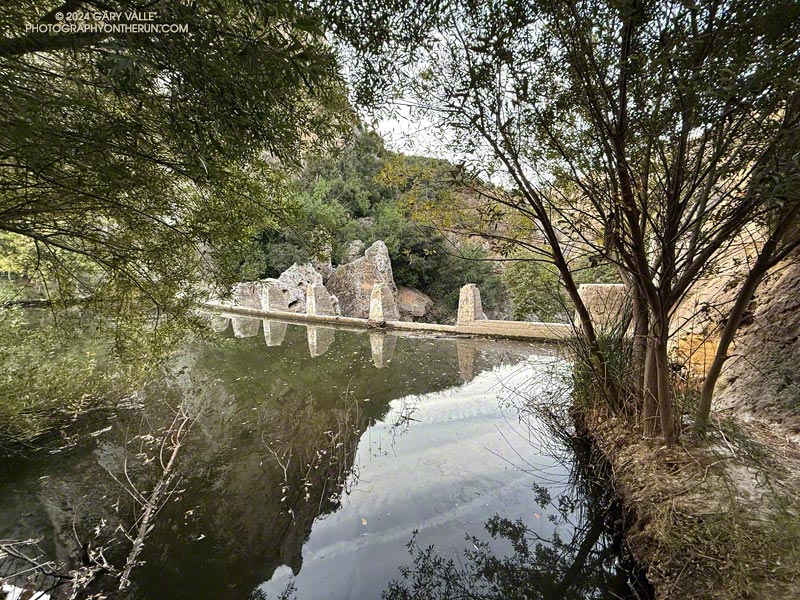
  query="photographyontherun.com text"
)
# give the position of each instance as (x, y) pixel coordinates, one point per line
(106, 22)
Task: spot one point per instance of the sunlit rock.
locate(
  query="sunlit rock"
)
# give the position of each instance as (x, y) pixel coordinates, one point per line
(470, 308)
(352, 282)
(247, 294)
(319, 339)
(604, 301)
(354, 250)
(293, 283)
(273, 298)
(274, 332)
(413, 303)
(382, 346)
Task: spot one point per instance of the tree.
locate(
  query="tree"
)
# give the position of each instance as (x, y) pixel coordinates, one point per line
(641, 133)
(132, 160)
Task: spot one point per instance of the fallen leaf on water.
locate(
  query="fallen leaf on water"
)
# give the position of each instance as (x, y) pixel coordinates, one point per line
(363, 521)
(537, 515)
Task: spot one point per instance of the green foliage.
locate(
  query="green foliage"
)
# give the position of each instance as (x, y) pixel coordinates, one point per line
(535, 289)
(135, 164)
(55, 370)
(362, 191)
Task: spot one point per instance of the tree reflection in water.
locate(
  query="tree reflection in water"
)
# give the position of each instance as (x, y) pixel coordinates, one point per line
(586, 565)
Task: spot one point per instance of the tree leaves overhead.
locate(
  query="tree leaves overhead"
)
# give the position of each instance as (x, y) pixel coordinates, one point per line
(137, 151)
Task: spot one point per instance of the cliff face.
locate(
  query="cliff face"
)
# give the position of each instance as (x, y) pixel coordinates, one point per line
(761, 374)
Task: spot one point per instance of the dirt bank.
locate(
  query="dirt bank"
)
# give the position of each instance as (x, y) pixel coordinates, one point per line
(712, 519)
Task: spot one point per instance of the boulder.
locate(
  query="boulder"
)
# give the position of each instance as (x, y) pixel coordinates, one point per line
(247, 294)
(293, 282)
(605, 302)
(273, 298)
(322, 261)
(352, 283)
(412, 302)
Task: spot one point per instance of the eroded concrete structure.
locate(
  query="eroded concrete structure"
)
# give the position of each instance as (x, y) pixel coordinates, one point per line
(470, 308)
(382, 305)
(318, 301)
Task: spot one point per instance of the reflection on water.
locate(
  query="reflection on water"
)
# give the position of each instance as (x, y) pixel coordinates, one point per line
(313, 456)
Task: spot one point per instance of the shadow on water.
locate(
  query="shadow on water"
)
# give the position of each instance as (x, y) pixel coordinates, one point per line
(310, 456)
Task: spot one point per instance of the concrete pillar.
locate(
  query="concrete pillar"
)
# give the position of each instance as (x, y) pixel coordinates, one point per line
(318, 300)
(382, 305)
(469, 305)
(274, 332)
(272, 298)
(604, 301)
(244, 327)
(382, 346)
(319, 339)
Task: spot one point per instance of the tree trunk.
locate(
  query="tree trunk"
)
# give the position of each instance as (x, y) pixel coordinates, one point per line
(665, 399)
(651, 426)
(639, 350)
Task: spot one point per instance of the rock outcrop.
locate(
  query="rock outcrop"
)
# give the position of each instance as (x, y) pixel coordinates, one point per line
(293, 283)
(604, 301)
(247, 294)
(352, 282)
(273, 298)
(413, 303)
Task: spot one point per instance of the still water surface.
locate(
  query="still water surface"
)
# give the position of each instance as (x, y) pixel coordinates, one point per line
(313, 457)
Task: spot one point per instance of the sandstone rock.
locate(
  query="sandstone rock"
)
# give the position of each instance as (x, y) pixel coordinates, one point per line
(470, 308)
(293, 282)
(604, 301)
(352, 282)
(247, 294)
(412, 302)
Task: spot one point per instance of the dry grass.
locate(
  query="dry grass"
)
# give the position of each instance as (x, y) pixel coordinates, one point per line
(712, 519)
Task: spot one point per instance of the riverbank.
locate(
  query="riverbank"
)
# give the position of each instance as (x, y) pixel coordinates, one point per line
(716, 519)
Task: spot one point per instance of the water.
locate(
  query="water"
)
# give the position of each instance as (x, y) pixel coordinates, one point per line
(311, 457)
